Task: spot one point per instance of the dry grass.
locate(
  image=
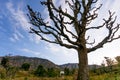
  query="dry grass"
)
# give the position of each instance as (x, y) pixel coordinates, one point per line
(40, 78)
(26, 75)
(106, 77)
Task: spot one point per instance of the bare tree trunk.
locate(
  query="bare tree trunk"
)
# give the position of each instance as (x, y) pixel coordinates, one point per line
(83, 72)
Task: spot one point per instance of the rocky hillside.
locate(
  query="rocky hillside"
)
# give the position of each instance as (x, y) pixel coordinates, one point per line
(69, 65)
(75, 66)
(33, 61)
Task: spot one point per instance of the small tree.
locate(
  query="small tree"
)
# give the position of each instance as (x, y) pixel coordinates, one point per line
(73, 71)
(40, 71)
(103, 68)
(25, 66)
(110, 63)
(68, 29)
(5, 62)
(94, 68)
(51, 72)
(10, 70)
(6, 65)
(67, 71)
(118, 60)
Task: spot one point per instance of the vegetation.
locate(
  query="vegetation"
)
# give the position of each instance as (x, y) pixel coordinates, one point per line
(68, 27)
(25, 66)
(42, 73)
(52, 72)
(8, 70)
(69, 72)
(5, 62)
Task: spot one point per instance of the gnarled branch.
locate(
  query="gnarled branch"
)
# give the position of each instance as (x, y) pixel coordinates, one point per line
(112, 30)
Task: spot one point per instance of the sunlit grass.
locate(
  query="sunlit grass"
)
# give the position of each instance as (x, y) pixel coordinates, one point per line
(40, 78)
(106, 76)
(26, 75)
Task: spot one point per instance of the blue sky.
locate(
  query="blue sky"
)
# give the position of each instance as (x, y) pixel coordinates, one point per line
(16, 39)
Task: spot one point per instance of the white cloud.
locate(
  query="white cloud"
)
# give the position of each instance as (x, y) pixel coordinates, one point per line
(30, 51)
(19, 19)
(96, 57)
(37, 38)
(16, 36)
(62, 55)
(12, 39)
(34, 38)
(18, 16)
(19, 34)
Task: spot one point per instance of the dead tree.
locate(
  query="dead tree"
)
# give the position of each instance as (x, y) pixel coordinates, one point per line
(83, 12)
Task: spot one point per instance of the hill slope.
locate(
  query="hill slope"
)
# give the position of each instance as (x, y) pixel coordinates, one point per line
(75, 66)
(33, 61)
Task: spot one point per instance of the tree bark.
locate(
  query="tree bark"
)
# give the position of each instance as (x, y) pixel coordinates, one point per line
(83, 72)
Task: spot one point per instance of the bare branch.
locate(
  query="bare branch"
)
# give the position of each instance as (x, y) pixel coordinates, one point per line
(83, 14)
(91, 16)
(112, 30)
(59, 10)
(91, 42)
(42, 38)
(57, 32)
(98, 27)
(94, 1)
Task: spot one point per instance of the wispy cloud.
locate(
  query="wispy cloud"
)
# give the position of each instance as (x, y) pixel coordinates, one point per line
(19, 19)
(12, 39)
(34, 38)
(19, 34)
(18, 16)
(61, 54)
(16, 36)
(30, 51)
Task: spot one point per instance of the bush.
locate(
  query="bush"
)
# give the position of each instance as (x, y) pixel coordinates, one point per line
(40, 71)
(5, 62)
(25, 66)
(2, 73)
(51, 72)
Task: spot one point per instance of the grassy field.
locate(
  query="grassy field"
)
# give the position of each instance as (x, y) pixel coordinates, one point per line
(105, 77)
(101, 77)
(26, 75)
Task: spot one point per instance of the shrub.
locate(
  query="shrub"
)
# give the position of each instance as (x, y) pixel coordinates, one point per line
(25, 66)
(2, 73)
(40, 71)
(52, 72)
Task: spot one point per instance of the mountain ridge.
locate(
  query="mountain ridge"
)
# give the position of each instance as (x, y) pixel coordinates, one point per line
(35, 62)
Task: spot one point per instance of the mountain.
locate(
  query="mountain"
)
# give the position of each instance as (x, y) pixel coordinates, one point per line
(75, 66)
(69, 65)
(33, 61)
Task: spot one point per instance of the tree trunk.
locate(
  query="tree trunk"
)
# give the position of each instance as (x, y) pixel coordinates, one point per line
(83, 72)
